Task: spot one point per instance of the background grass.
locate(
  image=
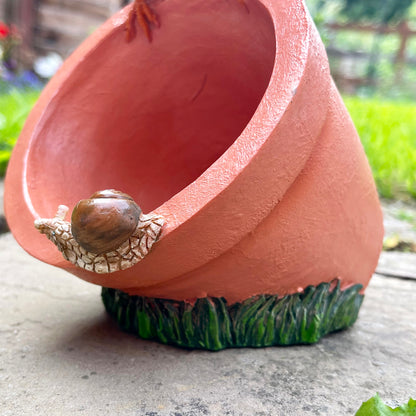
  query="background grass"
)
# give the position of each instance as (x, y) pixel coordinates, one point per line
(14, 108)
(388, 132)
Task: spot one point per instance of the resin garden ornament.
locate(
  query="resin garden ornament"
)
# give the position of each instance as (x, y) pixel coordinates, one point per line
(217, 187)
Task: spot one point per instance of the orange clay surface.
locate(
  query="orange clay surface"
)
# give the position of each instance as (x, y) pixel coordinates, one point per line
(227, 124)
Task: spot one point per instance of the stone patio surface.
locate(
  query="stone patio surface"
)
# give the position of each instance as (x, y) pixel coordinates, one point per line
(60, 354)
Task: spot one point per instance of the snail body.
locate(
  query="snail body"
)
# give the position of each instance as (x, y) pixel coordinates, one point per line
(108, 232)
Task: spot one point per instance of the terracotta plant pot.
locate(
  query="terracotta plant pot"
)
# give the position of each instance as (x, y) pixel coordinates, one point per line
(229, 126)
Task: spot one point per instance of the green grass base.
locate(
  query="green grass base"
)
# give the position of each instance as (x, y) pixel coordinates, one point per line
(261, 321)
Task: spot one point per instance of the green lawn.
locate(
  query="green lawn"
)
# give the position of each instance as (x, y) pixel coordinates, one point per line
(388, 133)
(387, 130)
(14, 108)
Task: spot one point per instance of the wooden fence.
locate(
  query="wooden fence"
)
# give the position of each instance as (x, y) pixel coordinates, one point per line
(346, 73)
(55, 25)
(61, 25)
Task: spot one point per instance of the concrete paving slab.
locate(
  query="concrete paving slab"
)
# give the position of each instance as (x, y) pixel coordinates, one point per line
(60, 354)
(396, 264)
(399, 219)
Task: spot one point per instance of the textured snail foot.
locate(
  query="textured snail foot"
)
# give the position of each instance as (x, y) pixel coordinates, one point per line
(128, 253)
(143, 14)
(260, 321)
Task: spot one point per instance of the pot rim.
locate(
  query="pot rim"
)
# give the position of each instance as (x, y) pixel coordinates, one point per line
(193, 212)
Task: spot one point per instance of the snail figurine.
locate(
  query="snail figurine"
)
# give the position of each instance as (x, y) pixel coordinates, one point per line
(108, 232)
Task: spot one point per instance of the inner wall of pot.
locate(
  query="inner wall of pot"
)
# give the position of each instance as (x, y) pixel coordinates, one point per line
(149, 118)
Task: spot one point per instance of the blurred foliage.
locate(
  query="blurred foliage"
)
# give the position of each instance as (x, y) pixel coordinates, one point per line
(387, 128)
(373, 11)
(14, 108)
(367, 61)
(376, 11)
(12, 81)
(322, 12)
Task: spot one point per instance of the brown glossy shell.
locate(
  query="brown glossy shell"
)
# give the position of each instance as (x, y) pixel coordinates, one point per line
(103, 222)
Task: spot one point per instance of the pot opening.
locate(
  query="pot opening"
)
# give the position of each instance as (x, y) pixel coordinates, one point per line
(150, 118)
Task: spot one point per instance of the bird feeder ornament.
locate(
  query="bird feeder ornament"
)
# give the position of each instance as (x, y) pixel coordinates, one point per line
(261, 223)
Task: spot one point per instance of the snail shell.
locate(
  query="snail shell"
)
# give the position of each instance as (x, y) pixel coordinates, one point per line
(104, 221)
(108, 232)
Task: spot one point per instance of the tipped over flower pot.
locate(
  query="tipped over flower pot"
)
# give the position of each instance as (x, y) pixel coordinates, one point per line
(248, 214)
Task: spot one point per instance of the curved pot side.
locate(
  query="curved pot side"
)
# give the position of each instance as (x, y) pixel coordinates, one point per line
(257, 100)
(328, 225)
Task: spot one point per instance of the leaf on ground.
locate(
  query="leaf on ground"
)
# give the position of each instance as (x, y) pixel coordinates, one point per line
(395, 243)
(376, 407)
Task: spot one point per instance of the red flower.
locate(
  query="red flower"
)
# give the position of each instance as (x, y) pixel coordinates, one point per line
(4, 30)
